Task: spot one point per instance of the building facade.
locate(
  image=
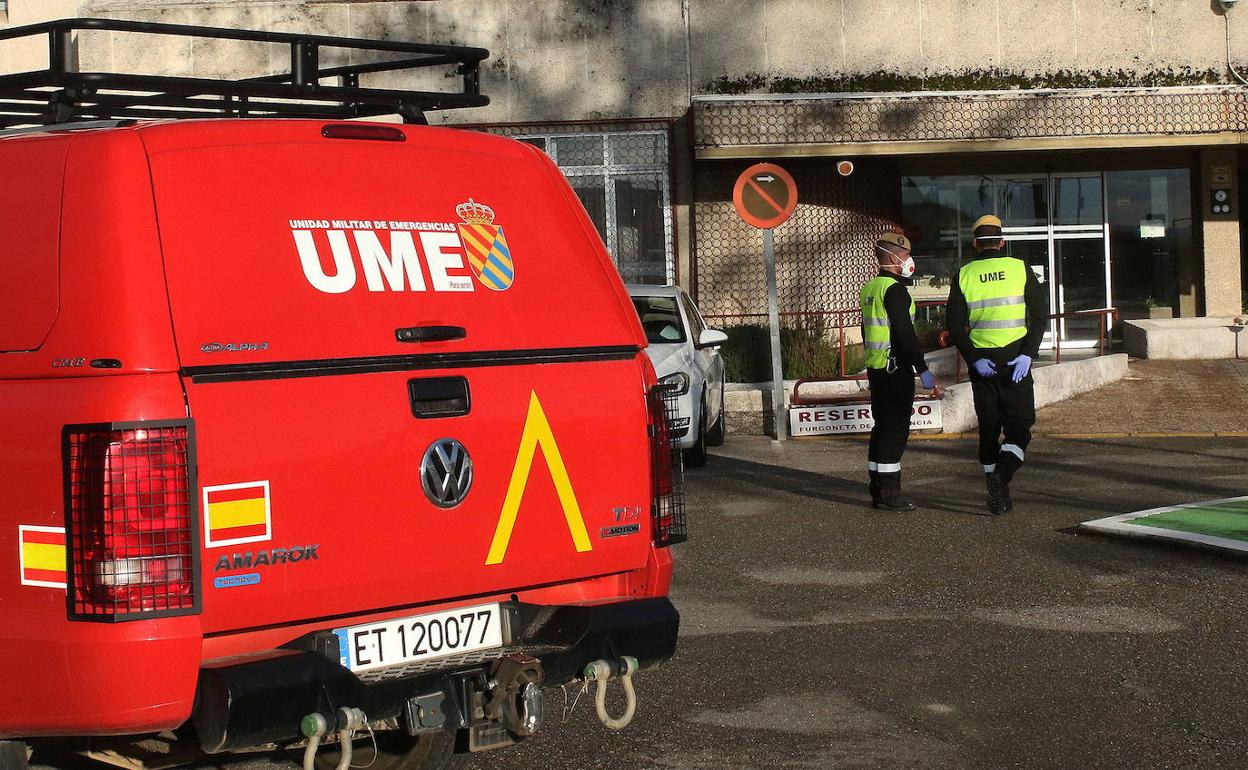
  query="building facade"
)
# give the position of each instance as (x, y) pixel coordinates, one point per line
(1107, 134)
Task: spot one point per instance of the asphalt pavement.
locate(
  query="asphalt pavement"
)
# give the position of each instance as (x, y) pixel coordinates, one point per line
(818, 633)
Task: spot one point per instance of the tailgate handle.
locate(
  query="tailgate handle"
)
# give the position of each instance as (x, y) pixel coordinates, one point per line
(430, 333)
(439, 397)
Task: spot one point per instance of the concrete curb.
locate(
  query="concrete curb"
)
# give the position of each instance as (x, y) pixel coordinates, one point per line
(748, 405)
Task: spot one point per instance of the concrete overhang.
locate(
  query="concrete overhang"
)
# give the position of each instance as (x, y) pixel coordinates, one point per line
(851, 125)
(952, 146)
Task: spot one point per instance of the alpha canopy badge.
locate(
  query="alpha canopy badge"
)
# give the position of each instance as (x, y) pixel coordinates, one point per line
(485, 245)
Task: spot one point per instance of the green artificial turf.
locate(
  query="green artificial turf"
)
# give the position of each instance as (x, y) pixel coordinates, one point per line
(1228, 520)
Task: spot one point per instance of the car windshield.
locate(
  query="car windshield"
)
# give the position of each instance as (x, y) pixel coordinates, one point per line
(661, 319)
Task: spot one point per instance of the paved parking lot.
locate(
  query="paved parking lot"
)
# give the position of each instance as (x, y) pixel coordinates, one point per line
(818, 633)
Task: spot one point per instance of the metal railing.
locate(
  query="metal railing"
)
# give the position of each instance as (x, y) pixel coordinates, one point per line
(1106, 317)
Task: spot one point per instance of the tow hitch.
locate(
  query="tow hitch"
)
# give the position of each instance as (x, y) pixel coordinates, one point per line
(516, 695)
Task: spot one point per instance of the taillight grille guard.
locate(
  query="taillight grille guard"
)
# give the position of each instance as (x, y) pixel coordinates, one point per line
(131, 520)
(667, 494)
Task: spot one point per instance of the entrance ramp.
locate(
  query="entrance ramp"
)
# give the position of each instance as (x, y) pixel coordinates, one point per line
(1218, 524)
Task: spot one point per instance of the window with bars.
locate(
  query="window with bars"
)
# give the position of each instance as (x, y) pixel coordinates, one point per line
(624, 181)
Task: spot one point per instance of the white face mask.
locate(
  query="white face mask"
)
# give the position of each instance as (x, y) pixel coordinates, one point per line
(907, 267)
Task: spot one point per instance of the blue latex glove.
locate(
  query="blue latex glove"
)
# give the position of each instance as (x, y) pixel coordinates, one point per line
(984, 368)
(1022, 365)
(928, 379)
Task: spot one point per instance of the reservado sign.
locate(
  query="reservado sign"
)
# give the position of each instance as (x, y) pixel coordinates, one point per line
(855, 418)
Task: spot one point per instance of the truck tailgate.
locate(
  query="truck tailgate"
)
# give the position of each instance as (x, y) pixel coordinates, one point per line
(346, 525)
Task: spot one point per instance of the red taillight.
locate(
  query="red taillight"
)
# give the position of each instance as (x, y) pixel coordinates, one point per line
(667, 502)
(133, 545)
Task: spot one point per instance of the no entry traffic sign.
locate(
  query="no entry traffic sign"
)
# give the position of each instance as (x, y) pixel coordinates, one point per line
(765, 195)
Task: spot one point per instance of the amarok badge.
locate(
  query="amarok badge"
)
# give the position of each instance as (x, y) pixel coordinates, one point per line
(485, 245)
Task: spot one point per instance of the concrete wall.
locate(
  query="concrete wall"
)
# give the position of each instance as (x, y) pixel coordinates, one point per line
(941, 39)
(1185, 339)
(1054, 383)
(1222, 278)
(560, 59)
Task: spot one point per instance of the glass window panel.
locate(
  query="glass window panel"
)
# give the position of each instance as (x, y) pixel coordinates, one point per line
(580, 150)
(593, 194)
(696, 326)
(640, 234)
(930, 212)
(1150, 236)
(660, 319)
(537, 141)
(638, 149)
(1023, 202)
(1077, 201)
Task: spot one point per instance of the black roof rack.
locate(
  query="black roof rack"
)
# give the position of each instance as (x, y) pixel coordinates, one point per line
(60, 94)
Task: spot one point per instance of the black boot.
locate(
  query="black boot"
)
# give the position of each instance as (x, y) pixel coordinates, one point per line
(891, 498)
(874, 486)
(998, 498)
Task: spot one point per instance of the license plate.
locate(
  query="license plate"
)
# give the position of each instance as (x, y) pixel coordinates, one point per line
(420, 638)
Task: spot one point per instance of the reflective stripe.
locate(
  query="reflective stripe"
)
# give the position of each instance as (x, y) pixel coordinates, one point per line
(995, 302)
(990, 468)
(875, 321)
(1014, 450)
(1007, 323)
(876, 346)
(872, 466)
(888, 467)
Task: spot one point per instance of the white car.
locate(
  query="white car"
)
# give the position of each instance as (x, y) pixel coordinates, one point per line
(686, 357)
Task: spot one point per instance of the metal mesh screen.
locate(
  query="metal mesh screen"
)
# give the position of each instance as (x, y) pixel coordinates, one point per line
(824, 253)
(132, 524)
(931, 117)
(623, 178)
(668, 495)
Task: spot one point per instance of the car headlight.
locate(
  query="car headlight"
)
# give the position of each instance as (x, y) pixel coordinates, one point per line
(676, 384)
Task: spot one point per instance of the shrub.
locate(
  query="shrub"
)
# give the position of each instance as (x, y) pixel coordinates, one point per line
(809, 348)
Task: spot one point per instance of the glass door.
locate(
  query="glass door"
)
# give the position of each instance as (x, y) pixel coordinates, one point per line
(1023, 205)
(1079, 244)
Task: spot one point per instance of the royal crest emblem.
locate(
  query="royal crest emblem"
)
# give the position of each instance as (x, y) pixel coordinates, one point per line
(485, 245)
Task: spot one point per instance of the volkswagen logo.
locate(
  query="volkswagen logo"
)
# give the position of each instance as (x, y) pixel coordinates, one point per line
(446, 473)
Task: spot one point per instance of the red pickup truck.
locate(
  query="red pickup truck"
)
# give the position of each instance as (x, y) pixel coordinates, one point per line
(303, 439)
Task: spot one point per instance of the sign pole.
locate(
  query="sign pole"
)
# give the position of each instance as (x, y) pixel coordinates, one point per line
(765, 196)
(773, 321)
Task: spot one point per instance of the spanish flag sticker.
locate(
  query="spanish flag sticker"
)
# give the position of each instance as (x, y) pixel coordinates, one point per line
(237, 513)
(42, 556)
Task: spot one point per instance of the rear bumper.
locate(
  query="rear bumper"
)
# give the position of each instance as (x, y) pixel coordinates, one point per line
(255, 700)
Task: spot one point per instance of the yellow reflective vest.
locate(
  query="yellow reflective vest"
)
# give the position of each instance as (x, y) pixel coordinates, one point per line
(876, 332)
(994, 289)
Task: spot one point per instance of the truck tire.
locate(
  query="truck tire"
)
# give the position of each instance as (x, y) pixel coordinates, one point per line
(695, 456)
(715, 436)
(396, 750)
(13, 756)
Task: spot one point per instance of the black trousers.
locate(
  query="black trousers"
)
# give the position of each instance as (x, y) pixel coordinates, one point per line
(892, 401)
(1005, 409)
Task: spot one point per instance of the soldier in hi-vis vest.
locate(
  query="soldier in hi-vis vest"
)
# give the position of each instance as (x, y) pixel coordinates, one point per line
(893, 358)
(997, 314)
